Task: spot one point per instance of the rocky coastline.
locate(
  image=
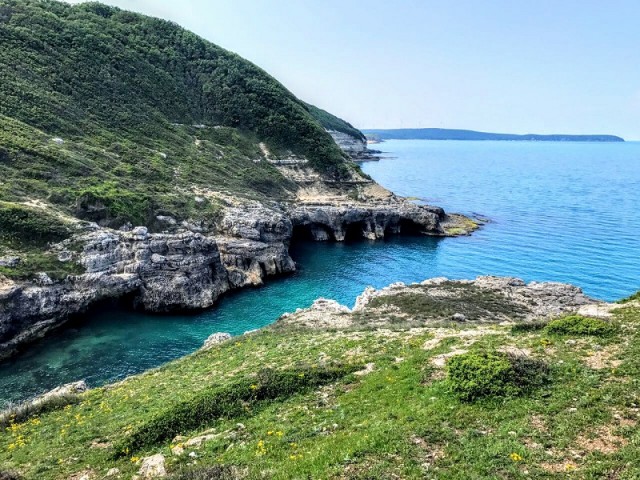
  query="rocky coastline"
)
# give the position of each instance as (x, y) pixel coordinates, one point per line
(188, 268)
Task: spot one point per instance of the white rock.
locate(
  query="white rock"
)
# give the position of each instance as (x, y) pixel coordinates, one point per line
(215, 339)
(140, 233)
(43, 279)
(155, 258)
(153, 467)
(57, 140)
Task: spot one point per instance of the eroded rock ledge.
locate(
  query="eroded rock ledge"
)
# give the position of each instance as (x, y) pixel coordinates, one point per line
(440, 300)
(187, 269)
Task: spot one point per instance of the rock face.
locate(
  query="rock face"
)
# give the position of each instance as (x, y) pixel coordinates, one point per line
(354, 146)
(336, 222)
(186, 269)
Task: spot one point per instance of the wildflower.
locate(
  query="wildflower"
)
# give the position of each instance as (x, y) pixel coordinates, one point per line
(35, 421)
(301, 375)
(515, 457)
(135, 459)
(270, 432)
(279, 433)
(261, 450)
(254, 387)
(293, 445)
(569, 467)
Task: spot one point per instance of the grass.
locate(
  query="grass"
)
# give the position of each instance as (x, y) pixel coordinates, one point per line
(400, 420)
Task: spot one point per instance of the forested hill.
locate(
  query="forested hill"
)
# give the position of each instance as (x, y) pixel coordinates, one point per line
(96, 72)
(447, 134)
(113, 117)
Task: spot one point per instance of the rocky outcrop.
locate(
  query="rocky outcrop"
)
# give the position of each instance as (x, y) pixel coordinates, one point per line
(186, 269)
(483, 300)
(370, 221)
(349, 143)
(215, 339)
(354, 146)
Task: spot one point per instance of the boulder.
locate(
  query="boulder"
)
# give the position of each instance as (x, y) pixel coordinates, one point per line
(215, 339)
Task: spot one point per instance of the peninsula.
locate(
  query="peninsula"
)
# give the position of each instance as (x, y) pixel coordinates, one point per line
(448, 134)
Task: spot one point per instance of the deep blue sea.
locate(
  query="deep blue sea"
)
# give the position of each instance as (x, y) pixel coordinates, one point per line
(561, 211)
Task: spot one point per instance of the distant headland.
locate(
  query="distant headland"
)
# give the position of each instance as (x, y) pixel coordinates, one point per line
(379, 135)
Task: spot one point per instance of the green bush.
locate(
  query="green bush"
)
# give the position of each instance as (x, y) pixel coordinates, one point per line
(22, 224)
(579, 325)
(477, 375)
(35, 262)
(227, 402)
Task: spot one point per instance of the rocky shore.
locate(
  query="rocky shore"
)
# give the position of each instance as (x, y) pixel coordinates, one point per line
(443, 302)
(186, 267)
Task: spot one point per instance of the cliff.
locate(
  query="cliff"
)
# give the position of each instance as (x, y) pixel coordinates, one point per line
(141, 162)
(530, 380)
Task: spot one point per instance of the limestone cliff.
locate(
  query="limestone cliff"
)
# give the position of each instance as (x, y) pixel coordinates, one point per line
(189, 268)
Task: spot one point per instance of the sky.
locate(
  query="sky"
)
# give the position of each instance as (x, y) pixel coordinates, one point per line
(513, 66)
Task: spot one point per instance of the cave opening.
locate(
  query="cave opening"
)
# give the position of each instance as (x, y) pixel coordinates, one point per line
(354, 231)
(310, 233)
(409, 227)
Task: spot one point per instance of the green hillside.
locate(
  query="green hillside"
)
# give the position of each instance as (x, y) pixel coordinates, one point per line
(114, 117)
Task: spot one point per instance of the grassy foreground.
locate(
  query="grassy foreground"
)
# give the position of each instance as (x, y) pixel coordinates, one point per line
(387, 408)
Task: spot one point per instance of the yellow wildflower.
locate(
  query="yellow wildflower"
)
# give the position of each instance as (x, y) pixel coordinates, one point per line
(515, 457)
(135, 459)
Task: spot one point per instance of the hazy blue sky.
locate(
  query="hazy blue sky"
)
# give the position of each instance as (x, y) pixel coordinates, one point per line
(544, 66)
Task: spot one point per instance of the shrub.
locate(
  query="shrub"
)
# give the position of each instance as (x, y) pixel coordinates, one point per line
(217, 472)
(525, 327)
(227, 402)
(579, 325)
(19, 223)
(476, 375)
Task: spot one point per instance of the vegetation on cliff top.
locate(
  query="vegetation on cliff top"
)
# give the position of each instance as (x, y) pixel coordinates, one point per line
(115, 117)
(556, 406)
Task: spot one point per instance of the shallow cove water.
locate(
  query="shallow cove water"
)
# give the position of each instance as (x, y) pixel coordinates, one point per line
(562, 211)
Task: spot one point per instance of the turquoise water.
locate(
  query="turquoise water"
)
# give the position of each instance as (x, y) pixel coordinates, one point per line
(560, 211)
